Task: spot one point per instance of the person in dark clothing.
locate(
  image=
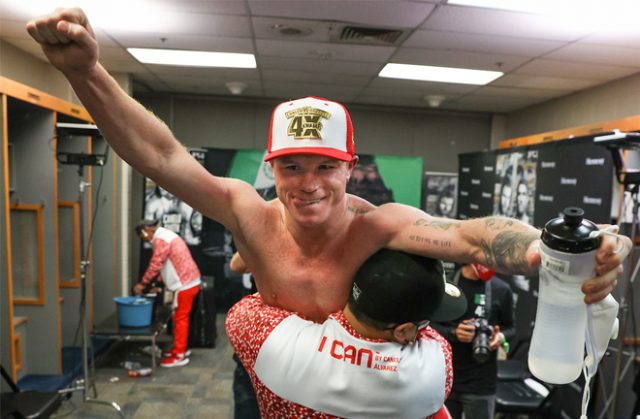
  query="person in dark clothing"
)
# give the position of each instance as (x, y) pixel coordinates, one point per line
(474, 376)
(244, 396)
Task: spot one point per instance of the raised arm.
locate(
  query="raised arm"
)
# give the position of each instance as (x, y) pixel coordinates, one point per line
(136, 135)
(507, 245)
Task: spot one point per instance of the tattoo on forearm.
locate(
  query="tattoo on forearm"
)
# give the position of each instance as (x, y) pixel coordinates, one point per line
(443, 225)
(508, 250)
(431, 242)
(498, 223)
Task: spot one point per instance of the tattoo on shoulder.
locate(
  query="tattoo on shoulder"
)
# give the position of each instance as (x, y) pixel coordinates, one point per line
(443, 225)
(358, 210)
(507, 251)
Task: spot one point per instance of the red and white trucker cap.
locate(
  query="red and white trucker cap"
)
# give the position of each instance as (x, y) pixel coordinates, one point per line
(311, 125)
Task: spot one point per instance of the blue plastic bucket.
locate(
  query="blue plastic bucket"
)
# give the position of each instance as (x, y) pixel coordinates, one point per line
(134, 311)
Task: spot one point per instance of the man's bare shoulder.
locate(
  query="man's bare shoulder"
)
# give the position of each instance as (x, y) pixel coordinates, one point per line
(359, 206)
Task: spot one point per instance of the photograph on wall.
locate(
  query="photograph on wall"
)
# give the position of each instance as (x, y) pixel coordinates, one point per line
(515, 186)
(440, 194)
(171, 212)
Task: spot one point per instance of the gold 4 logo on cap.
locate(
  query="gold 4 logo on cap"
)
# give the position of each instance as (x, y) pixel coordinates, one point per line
(305, 123)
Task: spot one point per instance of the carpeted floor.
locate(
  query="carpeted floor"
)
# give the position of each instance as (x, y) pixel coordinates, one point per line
(201, 389)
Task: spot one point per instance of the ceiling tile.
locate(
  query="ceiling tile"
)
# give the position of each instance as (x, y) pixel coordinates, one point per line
(328, 66)
(592, 53)
(208, 86)
(553, 68)
(384, 99)
(541, 82)
(229, 73)
(504, 23)
(313, 30)
(310, 77)
(619, 36)
(493, 44)
(187, 42)
(206, 6)
(317, 50)
(400, 14)
(166, 24)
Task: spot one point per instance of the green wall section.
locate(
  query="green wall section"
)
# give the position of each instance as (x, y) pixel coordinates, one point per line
(403, 175)
(245, 165)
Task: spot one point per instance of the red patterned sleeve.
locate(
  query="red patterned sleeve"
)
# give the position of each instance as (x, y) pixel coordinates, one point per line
(448, 358)
(248, 324)
(160, 254)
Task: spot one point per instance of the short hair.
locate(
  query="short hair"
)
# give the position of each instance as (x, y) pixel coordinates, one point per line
(145, 223)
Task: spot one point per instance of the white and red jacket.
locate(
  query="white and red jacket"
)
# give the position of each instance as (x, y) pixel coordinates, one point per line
(172, 260)
(304, 369)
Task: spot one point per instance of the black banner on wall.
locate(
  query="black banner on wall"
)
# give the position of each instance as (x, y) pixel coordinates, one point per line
(571, 174)
(476, 176)
(534, 184)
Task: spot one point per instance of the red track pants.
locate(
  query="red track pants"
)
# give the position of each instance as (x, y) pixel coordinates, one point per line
(181, 319)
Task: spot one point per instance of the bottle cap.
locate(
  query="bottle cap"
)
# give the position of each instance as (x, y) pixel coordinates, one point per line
(570, 233)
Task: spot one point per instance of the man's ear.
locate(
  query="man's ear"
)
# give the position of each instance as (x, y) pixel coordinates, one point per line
(351, 165)
(353, 162)
(404, 333)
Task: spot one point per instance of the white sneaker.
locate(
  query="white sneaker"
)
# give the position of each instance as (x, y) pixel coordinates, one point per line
(170, 352)
(174, 361)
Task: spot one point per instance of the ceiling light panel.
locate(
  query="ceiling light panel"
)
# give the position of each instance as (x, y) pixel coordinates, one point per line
(439, 74)
(193, 58)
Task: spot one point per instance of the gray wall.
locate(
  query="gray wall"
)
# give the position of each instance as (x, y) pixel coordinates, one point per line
(22, 67)
(614, 100)
(106, 258)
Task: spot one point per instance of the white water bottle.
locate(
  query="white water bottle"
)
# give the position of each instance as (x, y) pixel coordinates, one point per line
(568, 259)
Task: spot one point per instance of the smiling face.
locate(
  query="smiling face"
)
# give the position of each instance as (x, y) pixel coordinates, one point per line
(312, 188)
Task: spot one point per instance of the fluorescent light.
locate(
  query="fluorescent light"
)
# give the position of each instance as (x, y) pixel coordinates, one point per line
(438, 74)
(193, 58)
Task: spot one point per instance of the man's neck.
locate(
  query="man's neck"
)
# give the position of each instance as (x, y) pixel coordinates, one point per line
(363, 329)
(317, 236)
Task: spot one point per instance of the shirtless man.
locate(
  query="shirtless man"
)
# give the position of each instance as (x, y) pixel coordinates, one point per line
(303, 248)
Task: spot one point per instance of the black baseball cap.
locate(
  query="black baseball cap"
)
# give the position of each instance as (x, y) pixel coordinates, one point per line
(397, 287)
(145, 223)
